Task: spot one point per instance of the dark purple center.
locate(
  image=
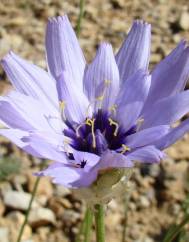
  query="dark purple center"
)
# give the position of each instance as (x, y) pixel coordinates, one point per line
(104, 131)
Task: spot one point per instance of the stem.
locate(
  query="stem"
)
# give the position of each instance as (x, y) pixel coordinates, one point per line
(176, 231)
(28, 210)
(85, 229)
(88, 225)
(99, 220)
(126, 201)
(80, 17)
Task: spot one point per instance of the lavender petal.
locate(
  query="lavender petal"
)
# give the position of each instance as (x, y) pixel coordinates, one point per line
(135, 51)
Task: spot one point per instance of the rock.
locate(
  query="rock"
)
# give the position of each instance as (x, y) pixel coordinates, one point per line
(4, 234)
(43, 233)
(66, 203)
(113, 206)
(175, 209)
(4, 188)
(184, 20)
(40, 217)
(18, 21)
(180, 149)
(118, 3)
(61, 191)
(42, 200)
(177, 38)
(70, 217)
(2, 207)
(4, 46)
(44, 188)
(155, 58)
(154, 170)
(113, 219)
(144, 202)
(18, 200)
(56, 206)
(132, 206)
(30, 240)
(15, 220)
(118, 25)
(19, 181)
(148, 239)
(16, 217)
(135, 231)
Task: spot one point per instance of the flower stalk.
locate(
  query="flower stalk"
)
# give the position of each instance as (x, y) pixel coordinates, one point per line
(28, 210)
(85, 229)
(99, 221)
(80, 17)
(88, 224)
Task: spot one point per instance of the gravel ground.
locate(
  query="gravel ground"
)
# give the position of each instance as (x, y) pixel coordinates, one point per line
(157, 191)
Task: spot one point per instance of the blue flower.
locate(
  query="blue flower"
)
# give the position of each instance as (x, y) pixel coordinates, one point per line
(93, 119)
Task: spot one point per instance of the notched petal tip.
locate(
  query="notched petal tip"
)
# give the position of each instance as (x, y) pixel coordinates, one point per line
(184, 43)
(141, 23)
(58, 19)
(105, 46)
(10, 56)
(6, 57)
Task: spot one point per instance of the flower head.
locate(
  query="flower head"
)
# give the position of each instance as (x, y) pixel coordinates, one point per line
(94, 121)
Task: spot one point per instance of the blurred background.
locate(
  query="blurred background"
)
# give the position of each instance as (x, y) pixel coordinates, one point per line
(159, 195)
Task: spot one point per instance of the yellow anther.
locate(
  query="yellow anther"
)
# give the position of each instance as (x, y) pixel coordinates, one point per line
(112, 122)
(113, 108)
(62, 109)
(101, 97)
(88, 121)
(140, 121)
(91, 123)
(125, 149)
(62, 104)
(107, 82)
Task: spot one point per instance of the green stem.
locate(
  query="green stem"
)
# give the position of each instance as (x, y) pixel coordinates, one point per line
(126, 201)
(177, 229)
(28, 209)
(85, 229)
(88, 225)
(80, 17)
(99, 220)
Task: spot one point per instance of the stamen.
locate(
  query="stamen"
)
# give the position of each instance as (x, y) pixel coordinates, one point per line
(107, 82)
(113, 108)
(62, 109)
(140, 121)
(125, 149)
(101, 97)
(78, 128)
(90, 122)
(66, 143)
(49, 118)
(90, 105)
(112, 122)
